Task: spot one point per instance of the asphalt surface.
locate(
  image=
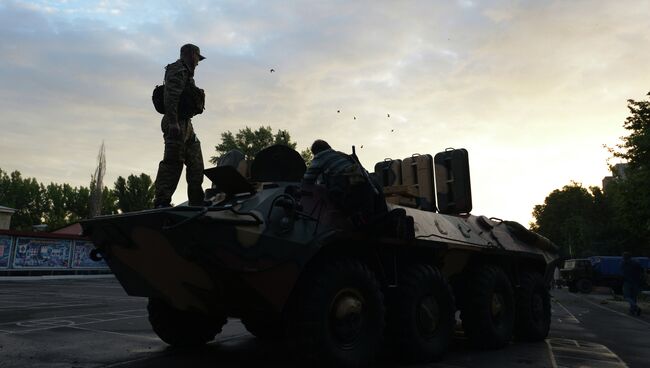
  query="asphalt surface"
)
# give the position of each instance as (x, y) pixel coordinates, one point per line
(584, 320)
(93, 323)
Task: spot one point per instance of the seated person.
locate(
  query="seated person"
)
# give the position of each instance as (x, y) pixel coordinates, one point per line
(348, 185)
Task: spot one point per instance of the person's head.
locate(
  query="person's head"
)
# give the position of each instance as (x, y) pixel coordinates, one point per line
(626, 255)
(318, 146)
(191, 54)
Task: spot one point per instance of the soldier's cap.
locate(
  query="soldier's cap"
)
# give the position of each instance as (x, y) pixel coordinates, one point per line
(188, 47)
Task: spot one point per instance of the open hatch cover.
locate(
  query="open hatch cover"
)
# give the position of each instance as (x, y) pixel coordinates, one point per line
(229, 180)
(278, 163)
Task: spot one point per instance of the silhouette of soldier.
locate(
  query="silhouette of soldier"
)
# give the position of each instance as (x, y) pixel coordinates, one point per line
(632, 273)
(348, 187)
(181, 144)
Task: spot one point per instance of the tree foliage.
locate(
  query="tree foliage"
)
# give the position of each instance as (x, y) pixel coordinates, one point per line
(566, 218)
(26, 196)
(58, 205)
(136, 193)
(250, 142)
(97, 183)
(609, 221)
(632, 191)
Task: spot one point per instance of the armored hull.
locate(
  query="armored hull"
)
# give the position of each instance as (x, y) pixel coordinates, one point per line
(287, 262)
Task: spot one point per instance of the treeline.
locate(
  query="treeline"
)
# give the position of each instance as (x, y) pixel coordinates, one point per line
(616, 218)
(58, 205)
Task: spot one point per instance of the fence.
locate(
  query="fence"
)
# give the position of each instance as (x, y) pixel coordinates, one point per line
(26, 253)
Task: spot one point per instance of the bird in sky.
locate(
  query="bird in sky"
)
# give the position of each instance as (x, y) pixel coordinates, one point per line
(388, 115)
(392, 130)
(355, 118)
(362, 146)
(338, 111)
(272, 70)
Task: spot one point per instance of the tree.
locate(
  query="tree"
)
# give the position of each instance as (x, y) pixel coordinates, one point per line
(58, 205)
(109, 202)
(250, 142)
(78, 205)
(567, 219)
(97, 183)
(26, 195)
(632, 191)
(611, 238)
(135, 193)
(307, 156)
(56, 198)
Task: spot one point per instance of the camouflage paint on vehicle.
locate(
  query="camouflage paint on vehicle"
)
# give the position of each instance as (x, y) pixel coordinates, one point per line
(246, 252)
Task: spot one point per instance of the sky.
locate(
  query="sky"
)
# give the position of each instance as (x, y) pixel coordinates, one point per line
(532, 89)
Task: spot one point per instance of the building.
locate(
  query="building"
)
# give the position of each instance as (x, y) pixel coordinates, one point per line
(5, 217)
(619, 174)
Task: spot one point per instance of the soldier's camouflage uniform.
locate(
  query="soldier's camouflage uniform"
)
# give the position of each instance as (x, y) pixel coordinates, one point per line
(183, 148)
(346, 185)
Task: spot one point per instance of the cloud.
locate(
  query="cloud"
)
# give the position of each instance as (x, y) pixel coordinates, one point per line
(531, 89)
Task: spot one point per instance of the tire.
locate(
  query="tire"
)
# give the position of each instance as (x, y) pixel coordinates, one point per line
(533, 313)
(336, 316)
(264, 327)
(488, 311)
(182, 328)
(420, 320)
(584, 286)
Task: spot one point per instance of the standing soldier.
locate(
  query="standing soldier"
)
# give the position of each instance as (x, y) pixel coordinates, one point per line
(632, 277)
(182, 100)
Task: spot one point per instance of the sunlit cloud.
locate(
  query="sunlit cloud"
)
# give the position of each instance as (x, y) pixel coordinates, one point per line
(531, 89)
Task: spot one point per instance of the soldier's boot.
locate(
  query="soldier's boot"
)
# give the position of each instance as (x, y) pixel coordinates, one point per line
(194, 172)
(169, 172)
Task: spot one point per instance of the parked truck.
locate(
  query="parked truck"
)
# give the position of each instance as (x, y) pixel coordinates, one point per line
(582, 274)
(289, 264)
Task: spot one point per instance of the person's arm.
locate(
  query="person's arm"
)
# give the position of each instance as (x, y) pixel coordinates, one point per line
(315, 169)
(175, 81)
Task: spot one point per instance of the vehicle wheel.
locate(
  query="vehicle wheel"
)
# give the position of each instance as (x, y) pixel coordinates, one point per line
(488, 313)
(420, 321)
(182, 328)
(264, 327)
(533, 314)
(336, 317)
(584, 286)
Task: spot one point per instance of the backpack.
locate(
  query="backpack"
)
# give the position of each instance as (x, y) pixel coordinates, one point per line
(192, 101)
(158, 98)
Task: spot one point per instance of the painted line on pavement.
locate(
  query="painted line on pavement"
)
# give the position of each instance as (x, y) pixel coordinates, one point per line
(569, 353)
(568, 312)
(50, 323)
(55, 324)
(148, 338)
(617, 312)
(551, 355)
(48, 305)
(129, 362)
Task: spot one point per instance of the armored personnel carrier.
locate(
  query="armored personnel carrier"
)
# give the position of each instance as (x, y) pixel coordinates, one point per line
(290, 265)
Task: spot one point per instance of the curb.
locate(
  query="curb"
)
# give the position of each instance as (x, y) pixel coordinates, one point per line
(54, 277)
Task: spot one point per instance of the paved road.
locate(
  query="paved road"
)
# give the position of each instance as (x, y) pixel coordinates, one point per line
(93, 323)
(582, 320)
